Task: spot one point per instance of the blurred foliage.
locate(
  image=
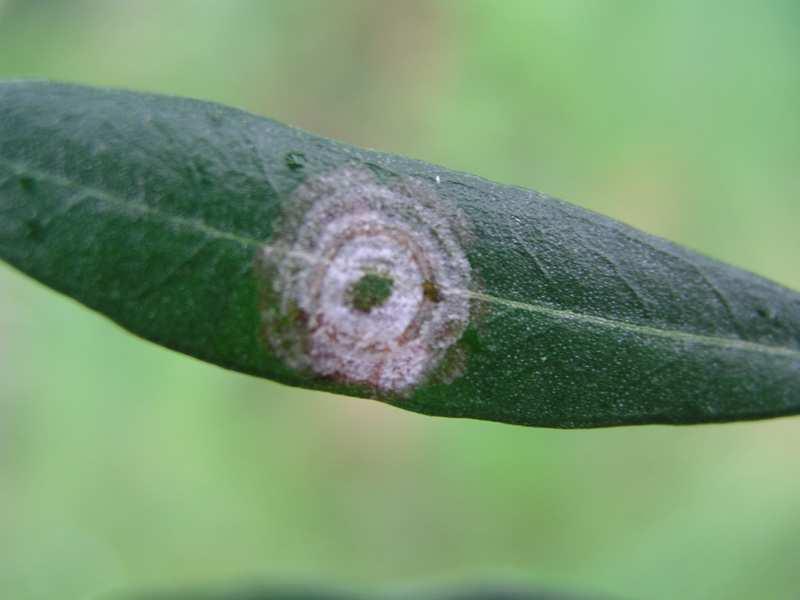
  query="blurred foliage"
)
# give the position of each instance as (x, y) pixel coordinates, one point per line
(124, 466)
(470, 591)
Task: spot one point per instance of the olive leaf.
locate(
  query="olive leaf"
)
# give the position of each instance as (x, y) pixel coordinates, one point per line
(268, 250)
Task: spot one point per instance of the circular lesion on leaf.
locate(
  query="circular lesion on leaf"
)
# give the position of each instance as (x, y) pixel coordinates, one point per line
(367, 281)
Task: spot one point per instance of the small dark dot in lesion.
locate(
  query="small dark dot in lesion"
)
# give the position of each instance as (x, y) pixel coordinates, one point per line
(297, 314)
(27, 183)
(431, 291)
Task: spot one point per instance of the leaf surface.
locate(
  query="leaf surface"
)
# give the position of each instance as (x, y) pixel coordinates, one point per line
(274, 252)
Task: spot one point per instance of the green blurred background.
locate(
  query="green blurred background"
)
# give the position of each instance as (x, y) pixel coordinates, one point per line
(123, 465)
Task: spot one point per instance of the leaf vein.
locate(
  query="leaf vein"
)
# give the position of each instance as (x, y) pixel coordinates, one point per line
(564, 315)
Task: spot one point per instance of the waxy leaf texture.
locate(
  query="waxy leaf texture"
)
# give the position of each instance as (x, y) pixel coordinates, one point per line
(274, 252)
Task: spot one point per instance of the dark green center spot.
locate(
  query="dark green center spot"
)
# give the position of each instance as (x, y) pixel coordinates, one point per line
(371, 291)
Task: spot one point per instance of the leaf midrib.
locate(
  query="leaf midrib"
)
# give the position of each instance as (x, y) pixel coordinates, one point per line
(560, 314)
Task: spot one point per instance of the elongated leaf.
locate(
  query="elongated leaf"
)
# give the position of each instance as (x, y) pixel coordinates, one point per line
(268, 250)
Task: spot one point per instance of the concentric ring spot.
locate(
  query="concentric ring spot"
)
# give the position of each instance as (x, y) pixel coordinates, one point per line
(368, 282)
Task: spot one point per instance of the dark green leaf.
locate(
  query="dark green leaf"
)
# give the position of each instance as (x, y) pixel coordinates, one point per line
(274, 252)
